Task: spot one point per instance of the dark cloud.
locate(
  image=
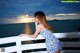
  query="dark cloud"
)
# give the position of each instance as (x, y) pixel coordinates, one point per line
(13, 8)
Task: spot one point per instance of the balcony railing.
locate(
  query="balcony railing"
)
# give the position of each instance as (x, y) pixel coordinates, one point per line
(25, 44)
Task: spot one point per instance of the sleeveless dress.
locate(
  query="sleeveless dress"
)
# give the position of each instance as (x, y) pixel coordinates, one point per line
(52, 43)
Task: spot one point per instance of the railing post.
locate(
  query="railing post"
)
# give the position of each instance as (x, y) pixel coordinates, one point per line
(18, 44)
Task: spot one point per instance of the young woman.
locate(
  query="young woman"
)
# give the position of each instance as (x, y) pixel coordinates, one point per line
(43, 28)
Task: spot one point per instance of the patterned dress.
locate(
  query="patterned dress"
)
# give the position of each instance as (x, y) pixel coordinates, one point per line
(52, 43)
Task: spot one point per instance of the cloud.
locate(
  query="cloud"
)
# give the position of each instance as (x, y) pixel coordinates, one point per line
(19, 19)
(29, 19)
(64, 16)
(71, 14)
(11, 8)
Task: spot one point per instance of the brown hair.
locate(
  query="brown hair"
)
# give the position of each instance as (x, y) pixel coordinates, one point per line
(43, 20)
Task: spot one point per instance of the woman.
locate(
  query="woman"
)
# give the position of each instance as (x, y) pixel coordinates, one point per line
(52, 43)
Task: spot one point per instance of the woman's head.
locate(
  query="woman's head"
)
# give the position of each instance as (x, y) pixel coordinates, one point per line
(40, 13)
(41, 18)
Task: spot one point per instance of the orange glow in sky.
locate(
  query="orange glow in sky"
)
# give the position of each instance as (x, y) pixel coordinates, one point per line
(25, 19)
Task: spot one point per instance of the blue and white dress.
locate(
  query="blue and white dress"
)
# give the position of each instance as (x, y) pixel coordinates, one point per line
(52, 43)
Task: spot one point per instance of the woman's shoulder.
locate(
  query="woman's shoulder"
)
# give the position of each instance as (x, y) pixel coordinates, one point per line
(40, 25)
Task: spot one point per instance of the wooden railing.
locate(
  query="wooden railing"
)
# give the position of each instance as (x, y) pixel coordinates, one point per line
(25, 44)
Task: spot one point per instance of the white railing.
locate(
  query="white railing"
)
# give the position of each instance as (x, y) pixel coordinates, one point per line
(19, 47)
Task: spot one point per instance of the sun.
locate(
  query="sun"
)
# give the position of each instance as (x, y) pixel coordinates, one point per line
(25, 19)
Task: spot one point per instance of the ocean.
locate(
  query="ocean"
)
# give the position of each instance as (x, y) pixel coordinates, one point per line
(59, 26)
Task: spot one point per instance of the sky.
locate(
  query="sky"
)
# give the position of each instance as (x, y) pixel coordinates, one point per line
(14, 8)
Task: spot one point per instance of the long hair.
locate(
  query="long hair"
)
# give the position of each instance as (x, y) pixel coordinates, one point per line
(42, 19)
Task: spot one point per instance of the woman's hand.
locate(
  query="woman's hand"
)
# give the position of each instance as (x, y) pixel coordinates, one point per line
(22, 35)
(31, 36)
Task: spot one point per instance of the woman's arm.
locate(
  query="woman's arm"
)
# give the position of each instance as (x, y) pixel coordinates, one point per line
(38, 28)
